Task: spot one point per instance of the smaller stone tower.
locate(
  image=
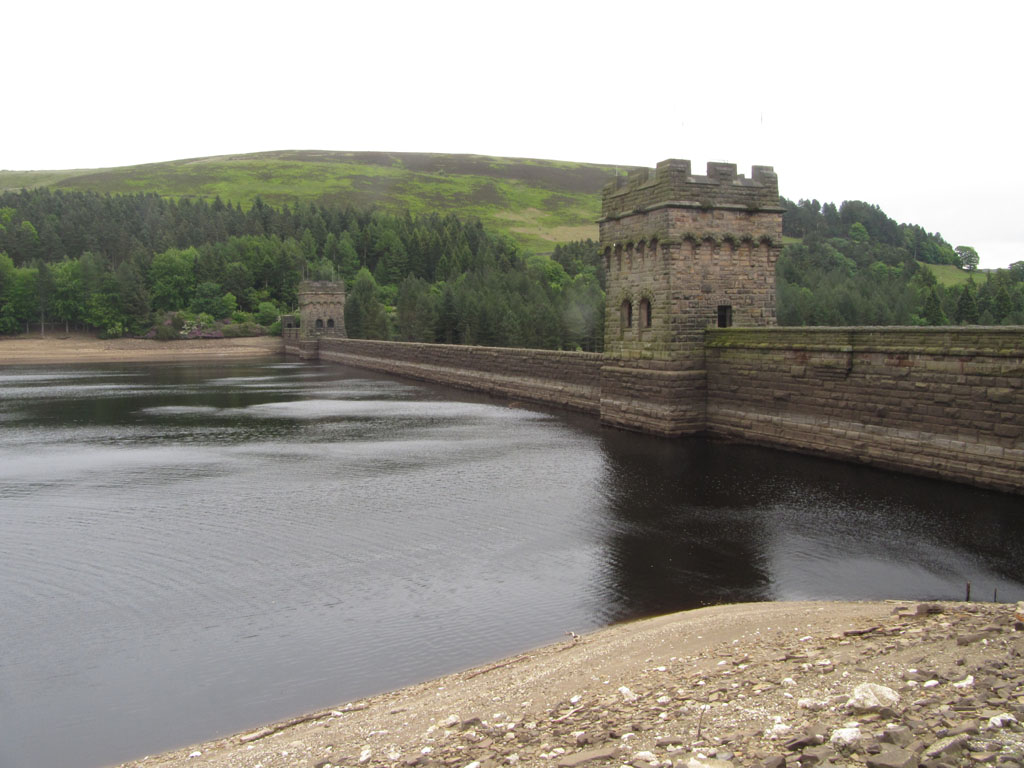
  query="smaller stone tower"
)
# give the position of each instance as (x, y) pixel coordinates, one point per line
(683, 253)
(322, 309)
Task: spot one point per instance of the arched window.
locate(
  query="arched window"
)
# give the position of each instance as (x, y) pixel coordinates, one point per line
(645, 313)
(626, 314)
(319, 324)
(330, 322)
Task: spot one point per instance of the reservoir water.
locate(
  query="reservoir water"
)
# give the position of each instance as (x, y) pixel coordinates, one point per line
(187, 551)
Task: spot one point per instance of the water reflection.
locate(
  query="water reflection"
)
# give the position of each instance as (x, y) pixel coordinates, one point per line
(702, 522)
(187, 552)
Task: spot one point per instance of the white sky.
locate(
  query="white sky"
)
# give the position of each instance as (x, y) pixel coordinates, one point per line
(914, 106)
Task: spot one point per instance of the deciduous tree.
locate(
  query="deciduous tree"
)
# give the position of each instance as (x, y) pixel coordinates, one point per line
(968, 257)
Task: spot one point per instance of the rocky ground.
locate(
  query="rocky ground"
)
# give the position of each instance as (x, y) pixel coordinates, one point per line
(885, 685)
(82, 348)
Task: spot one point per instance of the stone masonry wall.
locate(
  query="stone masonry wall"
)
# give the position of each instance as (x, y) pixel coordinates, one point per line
(296, 344)
(943, 402)
(566, 379)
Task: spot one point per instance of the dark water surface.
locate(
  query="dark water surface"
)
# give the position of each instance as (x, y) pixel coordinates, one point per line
(189, 551)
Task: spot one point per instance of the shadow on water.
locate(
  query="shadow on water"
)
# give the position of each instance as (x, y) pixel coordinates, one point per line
(698, 522)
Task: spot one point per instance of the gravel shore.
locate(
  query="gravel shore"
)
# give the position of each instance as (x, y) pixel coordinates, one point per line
(81, 348)
(764, 684)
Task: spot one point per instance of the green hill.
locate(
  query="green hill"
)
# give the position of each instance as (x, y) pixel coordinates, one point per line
(537, 202)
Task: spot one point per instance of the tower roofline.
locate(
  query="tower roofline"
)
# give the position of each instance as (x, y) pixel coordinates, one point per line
(673, 184)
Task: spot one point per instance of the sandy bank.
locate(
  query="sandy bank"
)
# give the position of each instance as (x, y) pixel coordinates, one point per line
(765, 684)
(80, 348)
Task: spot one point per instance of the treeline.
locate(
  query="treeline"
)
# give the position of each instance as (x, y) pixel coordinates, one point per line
(892, 243)
(856, 266)
(141, 264)
(126, 263)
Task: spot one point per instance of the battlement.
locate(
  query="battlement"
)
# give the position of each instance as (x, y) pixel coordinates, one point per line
(321, 286)
(673, 184)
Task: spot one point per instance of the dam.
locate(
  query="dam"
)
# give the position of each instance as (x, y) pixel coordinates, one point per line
(692, 346)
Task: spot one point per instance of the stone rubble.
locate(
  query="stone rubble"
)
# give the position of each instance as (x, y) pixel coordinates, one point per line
(938, 686)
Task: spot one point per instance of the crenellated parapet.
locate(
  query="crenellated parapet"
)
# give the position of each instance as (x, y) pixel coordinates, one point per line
(673, 185)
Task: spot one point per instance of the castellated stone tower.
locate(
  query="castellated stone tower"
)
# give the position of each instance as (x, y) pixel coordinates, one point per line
(683, 253)
(322, 309)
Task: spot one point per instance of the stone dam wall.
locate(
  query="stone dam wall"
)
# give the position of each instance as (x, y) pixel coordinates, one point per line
(942, 402)
(566, 379)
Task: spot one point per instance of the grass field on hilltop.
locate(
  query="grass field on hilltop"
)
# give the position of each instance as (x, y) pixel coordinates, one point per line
(537, 202)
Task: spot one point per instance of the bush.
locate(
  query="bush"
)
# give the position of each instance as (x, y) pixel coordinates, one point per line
(166, 333)
(236, 330)
(204, 333)
(211, 300)
(114, 330)
(266, 313)
(275, 328)
(242, 317)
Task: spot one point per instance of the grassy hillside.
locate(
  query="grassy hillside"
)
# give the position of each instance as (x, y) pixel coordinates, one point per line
(952, 276)
(538, 202)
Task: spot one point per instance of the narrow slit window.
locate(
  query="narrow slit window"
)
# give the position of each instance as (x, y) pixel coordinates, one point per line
(330, 322)
(626, 314)
(724, 315)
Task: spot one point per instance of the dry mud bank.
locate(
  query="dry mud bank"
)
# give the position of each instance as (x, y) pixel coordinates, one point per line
(765, 684)
(32, 350)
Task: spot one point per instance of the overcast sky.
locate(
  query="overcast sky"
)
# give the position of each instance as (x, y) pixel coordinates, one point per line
(913, 106)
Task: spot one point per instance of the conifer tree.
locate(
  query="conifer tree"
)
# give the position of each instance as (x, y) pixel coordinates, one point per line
(967, 306)
(933, 314)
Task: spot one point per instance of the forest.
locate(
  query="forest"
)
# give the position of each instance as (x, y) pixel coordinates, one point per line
(853, 265)
(145, 265)
(151, 266)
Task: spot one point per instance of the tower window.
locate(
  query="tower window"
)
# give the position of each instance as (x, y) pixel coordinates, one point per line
(319, 324)
(626, 314)
(330, 322)
(645, 313)
(724, 315)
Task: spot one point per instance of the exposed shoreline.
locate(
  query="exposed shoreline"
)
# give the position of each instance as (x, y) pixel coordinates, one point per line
(759, 684)
(82, 348)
